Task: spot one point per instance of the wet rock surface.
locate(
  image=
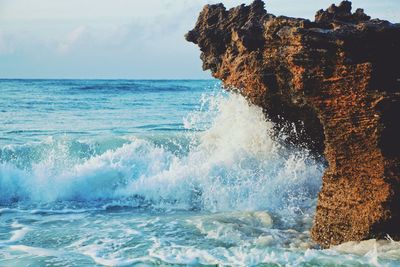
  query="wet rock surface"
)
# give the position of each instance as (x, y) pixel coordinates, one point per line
(333, 85)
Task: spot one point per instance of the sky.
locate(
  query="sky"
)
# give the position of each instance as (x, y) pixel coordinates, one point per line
(123, 39)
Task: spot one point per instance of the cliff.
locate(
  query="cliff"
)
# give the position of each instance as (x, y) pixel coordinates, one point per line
(333, 85)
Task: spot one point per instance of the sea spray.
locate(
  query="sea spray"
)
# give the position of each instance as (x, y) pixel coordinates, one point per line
(122, 180)
(232, 164)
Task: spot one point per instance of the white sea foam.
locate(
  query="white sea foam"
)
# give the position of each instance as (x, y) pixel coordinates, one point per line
(36, 251)
(91, 251)
(18, 232)
(234, 164)
(246, 200)
(371, 249)
(283, 249)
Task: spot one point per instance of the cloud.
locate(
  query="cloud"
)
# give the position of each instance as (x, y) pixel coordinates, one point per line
(6, 43)
(71, 39)
(122, 38)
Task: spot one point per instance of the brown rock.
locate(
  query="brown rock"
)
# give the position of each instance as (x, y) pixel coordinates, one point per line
(334, 86)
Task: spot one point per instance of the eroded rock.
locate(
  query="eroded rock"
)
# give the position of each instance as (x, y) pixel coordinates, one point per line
(334, 85)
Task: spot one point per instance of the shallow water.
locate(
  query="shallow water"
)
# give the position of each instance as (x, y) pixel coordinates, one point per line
(130, 172)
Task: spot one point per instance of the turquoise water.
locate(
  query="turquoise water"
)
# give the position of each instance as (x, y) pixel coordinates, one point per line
(139, 173)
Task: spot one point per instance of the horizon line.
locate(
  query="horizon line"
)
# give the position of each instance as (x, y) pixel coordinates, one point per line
(115, 79)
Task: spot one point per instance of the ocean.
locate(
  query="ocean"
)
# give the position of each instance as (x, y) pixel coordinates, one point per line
(155, 172)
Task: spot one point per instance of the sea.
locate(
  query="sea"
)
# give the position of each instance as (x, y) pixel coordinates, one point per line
(156, 173)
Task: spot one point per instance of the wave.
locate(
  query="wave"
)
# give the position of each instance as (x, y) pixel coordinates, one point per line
(227, 160)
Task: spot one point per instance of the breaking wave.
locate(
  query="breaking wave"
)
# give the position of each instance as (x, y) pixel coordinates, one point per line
(225, 161)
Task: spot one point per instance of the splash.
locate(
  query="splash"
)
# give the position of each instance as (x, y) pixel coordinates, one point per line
(237, 195)
(230, 163)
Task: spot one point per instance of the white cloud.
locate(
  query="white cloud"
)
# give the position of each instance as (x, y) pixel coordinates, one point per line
(122, 38)
(6, 46)
(71, 38)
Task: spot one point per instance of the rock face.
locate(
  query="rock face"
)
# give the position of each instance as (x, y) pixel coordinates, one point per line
(334, 85)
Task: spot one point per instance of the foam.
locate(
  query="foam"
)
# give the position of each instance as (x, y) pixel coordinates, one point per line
(371, 249)
(234, 165)
(36, 251)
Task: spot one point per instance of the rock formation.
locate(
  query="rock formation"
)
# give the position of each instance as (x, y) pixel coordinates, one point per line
(334, 85)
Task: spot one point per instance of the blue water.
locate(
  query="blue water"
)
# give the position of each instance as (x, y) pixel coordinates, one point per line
(34, 109)
(135, 172)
